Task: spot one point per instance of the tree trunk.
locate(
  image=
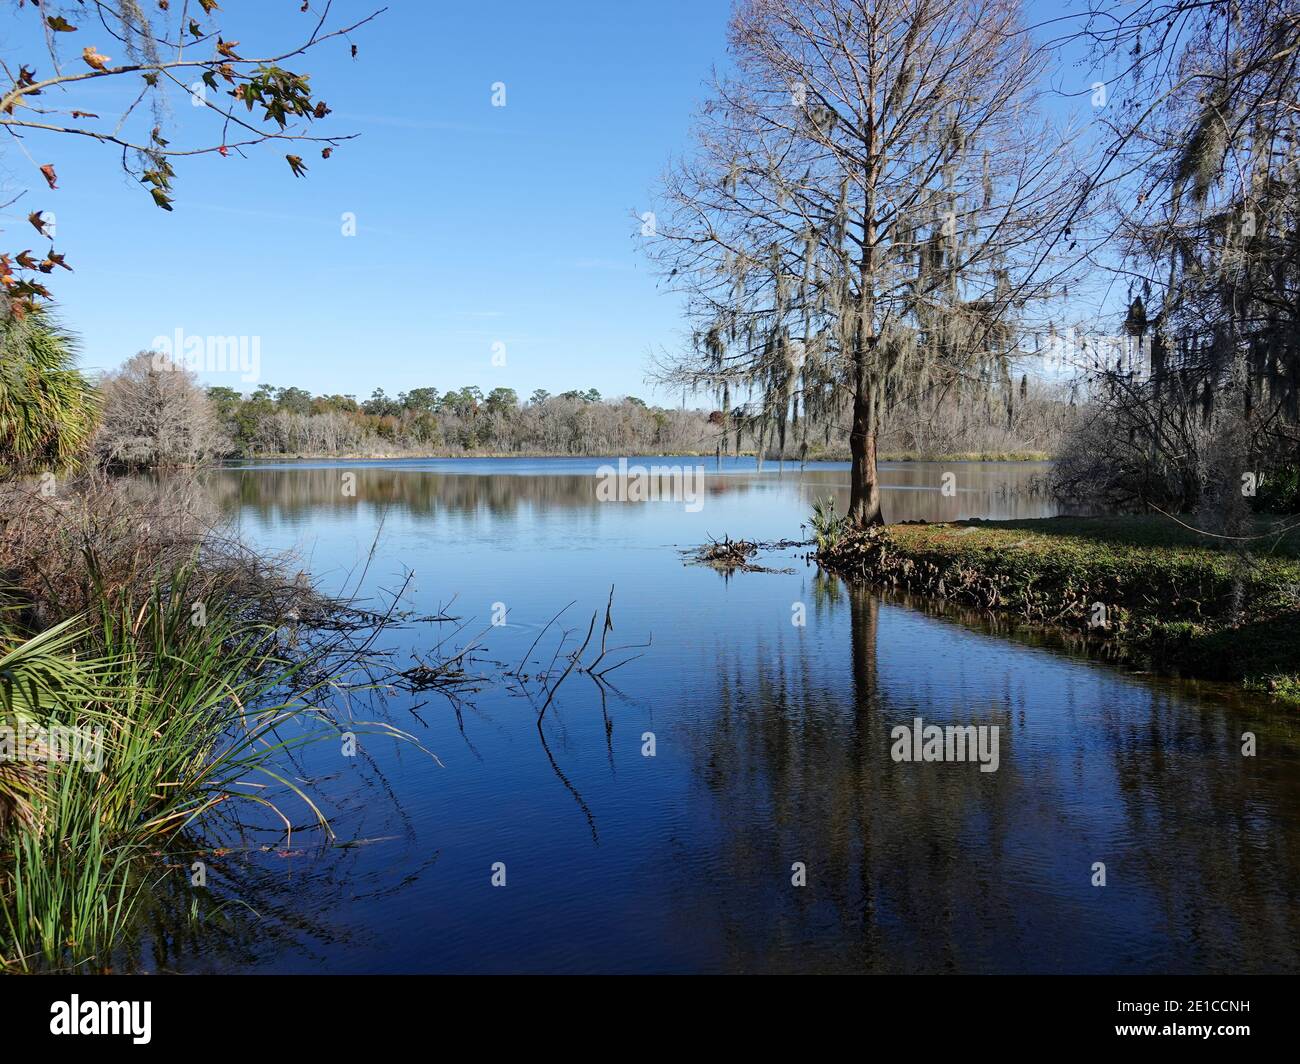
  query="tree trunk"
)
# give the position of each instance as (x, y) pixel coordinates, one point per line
(864, 480)
(864, 483)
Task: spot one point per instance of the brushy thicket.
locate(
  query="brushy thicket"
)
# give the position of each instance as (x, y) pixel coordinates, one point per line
(71, 545)
(1124, 457)
(67, 544)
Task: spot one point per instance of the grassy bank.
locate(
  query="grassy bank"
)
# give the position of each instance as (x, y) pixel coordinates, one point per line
(1169, 598)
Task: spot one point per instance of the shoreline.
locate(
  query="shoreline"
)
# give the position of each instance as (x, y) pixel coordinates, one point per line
(1141, 586)
(896, 457)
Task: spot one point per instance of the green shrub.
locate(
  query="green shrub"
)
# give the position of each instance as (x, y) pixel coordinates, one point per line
(828, 527)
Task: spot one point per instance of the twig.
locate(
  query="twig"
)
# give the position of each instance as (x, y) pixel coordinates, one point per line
(522, 661)
(590, 628)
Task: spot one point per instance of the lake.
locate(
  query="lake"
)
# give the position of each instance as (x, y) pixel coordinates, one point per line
(771, 754)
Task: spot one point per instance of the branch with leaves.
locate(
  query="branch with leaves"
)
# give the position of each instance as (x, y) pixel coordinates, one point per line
(178, 50)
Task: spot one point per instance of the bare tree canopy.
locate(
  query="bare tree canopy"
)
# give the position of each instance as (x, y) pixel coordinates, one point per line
(868, 213)
(155, 415)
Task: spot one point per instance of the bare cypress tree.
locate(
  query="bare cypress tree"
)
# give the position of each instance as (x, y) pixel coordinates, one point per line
(865, 215)
(155, 415)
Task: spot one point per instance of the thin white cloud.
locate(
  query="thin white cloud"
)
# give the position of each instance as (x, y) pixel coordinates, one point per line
(614, 265)
(398, 122)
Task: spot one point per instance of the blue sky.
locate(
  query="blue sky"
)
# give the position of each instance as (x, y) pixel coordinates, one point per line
(476, 225)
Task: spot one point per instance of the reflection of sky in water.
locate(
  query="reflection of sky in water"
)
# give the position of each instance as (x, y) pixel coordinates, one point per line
(773, 747)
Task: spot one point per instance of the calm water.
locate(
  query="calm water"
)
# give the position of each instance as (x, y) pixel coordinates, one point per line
(772, 747)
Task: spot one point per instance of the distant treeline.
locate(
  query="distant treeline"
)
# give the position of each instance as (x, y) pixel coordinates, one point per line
(1019, 419)
(291, 421)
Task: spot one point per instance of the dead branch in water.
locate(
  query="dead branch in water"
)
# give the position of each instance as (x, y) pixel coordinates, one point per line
(726, 553)
(733, 555)
(591, 670)
(519, 669)
(574, 661)
(425, 677)
(444, 674)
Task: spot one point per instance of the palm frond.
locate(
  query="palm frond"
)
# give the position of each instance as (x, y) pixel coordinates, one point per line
(48, 409)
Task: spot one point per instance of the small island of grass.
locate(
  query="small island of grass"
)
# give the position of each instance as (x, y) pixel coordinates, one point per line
(1166, 595)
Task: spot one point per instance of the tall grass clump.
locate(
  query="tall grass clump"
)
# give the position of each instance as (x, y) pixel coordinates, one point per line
(194, 709)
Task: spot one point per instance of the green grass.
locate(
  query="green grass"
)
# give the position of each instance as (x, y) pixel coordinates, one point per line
(1173, 598)
(1138, 530)
(192, 717)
